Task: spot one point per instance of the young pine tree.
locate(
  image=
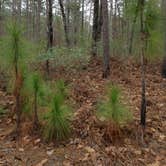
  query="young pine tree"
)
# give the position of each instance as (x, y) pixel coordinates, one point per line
(34, 86)
(13, 48)
(113, 113)
(58, 118)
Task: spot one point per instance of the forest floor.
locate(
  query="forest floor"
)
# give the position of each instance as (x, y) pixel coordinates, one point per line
(87, 146)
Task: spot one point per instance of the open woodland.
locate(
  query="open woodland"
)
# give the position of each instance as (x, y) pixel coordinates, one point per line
(82, 82)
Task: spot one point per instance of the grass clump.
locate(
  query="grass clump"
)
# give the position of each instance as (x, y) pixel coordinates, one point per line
(58, 118)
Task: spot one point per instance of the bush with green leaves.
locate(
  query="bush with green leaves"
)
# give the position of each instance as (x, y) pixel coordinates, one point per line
(112, 110)
(58, 118)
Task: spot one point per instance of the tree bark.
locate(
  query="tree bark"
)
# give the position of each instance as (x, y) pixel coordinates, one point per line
(49, 31)
(64, 22)
(143, 66)
(106, 42)
(36, 120)
(95, 27)
(38, 19)
(82, 18)
(164, 26)
(133, 27)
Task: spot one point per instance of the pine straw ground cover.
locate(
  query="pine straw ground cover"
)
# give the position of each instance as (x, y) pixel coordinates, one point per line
(87, 145)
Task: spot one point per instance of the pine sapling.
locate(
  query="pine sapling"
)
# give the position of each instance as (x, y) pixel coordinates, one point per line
(58, 118)
(113, 113)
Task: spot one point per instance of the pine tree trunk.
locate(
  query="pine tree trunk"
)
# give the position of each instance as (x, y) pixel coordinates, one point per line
(1, 18)
(95, 27)
(164, 28)
(82, 18)
(133, 27)
(106, 42)
(143, 66)
(49, 31)
(64, 22)
(38, 19)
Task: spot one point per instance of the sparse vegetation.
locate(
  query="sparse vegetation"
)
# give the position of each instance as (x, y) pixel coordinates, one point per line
(56, 60)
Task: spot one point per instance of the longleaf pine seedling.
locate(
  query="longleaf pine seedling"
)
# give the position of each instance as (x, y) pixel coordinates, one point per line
(34, 85)
(14, 46)
(112, 112)
(58, 118)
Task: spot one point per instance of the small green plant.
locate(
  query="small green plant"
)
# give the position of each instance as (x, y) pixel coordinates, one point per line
(58, 118)
(112, 109)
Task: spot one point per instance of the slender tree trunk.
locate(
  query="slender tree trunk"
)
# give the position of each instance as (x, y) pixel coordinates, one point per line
(133, 27)
(143, 66)
(164, 26)
(38, 19)
(89, 19)
(17, 94)
(106, 42)
(19, 6)
(49, 32)
(95, 27)
(82, 18)
(64, 22)
(27, 18)
(100, 23)
(36, 120)
(1, 18)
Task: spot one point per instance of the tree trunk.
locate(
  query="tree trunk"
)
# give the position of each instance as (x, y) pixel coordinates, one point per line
(27, 19)
(82, 18)
(164, 26)
(133, 27)
(143, 66)
(1, 18)
(95, 27)
(36, 120)
(100, 23)
(38, 19)
(106, 42)
(64, 22)
(49, 31)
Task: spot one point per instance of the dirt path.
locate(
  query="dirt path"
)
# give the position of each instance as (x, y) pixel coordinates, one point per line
(87, 146)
